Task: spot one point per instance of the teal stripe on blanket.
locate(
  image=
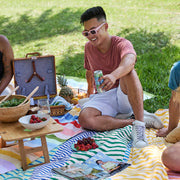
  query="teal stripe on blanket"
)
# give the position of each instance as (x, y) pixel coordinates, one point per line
(112, 143)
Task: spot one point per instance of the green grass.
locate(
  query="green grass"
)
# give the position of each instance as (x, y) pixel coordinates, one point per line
(52, 27)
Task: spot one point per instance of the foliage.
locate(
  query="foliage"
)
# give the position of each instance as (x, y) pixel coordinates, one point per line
(52, 27)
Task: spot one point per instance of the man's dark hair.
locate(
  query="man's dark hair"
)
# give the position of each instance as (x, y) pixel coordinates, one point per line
(94, 12)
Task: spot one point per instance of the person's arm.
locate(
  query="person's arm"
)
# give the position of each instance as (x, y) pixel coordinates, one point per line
(90, 81)
(8, 57)
(174, 112)
(174, 116)
(126, 65)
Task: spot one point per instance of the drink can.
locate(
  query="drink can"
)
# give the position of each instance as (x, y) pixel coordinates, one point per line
(97, 75)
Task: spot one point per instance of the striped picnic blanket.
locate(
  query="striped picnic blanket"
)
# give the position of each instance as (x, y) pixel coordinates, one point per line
(115, 143)
(145, 162)
(26, 175)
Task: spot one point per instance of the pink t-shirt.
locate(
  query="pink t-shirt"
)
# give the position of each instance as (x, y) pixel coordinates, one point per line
(109, 61)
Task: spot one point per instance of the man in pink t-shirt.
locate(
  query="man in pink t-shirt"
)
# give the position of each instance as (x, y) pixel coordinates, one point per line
(123, 94)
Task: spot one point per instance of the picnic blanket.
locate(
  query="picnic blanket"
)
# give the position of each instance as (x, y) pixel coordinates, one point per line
(112, 143)
(10, 157)
(145, 162)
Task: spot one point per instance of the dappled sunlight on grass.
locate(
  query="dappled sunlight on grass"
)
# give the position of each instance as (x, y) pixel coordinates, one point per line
(28, 28)
(155, 56)
(53, 28)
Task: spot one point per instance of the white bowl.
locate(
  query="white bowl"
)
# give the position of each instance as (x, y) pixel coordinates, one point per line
(26, 124)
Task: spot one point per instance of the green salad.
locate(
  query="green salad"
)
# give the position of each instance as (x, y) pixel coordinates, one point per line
(12, 102)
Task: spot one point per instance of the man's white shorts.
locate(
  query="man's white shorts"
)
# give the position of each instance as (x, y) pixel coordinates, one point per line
(110, 102)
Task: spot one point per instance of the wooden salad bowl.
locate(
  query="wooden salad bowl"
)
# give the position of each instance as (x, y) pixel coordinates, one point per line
(12, 114)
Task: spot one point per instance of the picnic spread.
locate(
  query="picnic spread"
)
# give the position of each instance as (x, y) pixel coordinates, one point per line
(145, 162)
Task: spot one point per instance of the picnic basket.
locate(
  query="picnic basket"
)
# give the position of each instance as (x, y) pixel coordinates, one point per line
(12, 114)
(58, 110)
(35, 70)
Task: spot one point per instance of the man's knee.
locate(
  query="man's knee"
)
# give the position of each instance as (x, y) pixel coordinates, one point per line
(170, 157)
(130, 82)
(88, 118)
(82, 120)
(85, 121)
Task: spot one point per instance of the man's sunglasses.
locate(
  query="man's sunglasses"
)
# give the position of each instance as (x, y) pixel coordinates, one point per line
(92, 31)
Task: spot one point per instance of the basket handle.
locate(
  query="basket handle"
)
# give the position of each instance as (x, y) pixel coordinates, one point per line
(33, 54)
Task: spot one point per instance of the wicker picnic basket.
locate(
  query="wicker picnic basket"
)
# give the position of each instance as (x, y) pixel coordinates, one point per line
(57, 110)
(12, 114)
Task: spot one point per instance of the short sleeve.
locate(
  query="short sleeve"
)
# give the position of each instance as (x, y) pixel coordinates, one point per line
(174, 78)
(126, 48)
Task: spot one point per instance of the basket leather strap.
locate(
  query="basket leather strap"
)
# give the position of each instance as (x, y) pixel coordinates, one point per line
(34, 73)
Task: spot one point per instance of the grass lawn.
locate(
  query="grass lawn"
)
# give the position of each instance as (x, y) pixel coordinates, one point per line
(52, 27)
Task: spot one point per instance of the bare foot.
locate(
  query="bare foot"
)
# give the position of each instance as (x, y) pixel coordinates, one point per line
(162, 132)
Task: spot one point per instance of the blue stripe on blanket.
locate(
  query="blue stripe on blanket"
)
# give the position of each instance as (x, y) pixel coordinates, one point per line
(128, 151)
(66, 118)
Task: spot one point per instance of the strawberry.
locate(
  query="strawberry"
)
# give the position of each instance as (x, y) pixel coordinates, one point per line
(86, 148)
(94, 145)
(36, 119)
(82, 148)
(85, 144)
(31, 121)
(90, 146)
(33, 116)
(79, 142)
(44, 119)
(75, 145)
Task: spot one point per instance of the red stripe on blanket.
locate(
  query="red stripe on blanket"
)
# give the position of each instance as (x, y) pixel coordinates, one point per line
(75, 123)
(60, 122)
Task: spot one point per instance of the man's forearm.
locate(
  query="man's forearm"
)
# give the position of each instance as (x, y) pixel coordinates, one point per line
(174, 113)
(126, 66)
(90, 80)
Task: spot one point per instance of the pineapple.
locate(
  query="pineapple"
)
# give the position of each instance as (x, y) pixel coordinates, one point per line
(65, 92)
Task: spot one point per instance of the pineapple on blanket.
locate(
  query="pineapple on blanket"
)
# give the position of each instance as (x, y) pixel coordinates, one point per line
(65, 92)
